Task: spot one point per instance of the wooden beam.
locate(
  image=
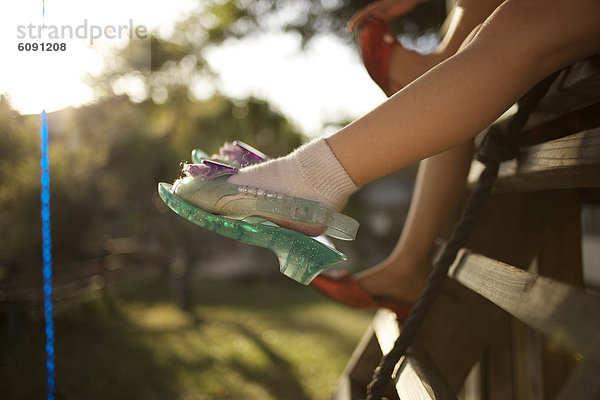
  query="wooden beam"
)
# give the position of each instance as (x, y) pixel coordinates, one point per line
(418, 378)
(567, 315)
(365, 358)
(456, 331)
(527, 353)
(569, 162)
(386, 328)
(513, 227)
(560, 259)
(499, 382)
(584, 383)
(577, 86)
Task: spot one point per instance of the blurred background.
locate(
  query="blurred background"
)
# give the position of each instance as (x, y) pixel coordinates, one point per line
(149, 306)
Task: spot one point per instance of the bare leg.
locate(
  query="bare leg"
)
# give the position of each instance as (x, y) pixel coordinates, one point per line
(464, 18)
(438, 190)
(439, 185)
(406, 65)
(521, 43)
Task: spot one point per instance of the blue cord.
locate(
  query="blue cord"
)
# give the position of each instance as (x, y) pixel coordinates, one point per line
(47, 257)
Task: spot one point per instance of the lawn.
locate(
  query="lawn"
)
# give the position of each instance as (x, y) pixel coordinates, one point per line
(247, 340)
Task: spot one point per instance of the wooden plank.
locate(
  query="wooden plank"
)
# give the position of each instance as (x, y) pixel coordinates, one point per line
(457, 330)
(560, 256)
(418, 378)
(513, 227)
(386, 328)
(584, 383)
(560, 259)
(498, 365)
(461, 325)
(577, 86)
(473, 388)
(580, 120)
(569, 162)
(366, 356)
(567, 315)
(364, 359)
(529, 383)
(343, 390)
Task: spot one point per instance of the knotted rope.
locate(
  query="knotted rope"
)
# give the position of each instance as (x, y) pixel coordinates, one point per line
(499, 145)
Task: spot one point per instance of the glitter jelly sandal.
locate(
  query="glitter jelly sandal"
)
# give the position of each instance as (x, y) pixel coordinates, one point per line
(248, 215)
(206, 186)
(237, 154)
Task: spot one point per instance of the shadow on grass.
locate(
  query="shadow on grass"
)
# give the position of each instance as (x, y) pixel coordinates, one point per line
(138, 345)
(98, 356)
(288, 304)
(278, 377)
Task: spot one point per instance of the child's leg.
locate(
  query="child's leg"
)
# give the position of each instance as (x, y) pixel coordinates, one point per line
(438, 190)
(466, 15)
(521, 43)
(407, 65)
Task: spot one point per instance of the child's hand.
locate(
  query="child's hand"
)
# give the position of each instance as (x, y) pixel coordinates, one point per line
(382, 9)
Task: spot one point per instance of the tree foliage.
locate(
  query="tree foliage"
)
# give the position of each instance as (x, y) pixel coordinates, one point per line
(106, 158)
(236, 18)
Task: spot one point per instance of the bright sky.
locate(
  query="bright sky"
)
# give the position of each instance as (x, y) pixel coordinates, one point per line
(325, 83)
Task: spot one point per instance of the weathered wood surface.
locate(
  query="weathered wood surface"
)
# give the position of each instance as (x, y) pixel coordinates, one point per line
(560, 259)
(461, 324)
(359, 369)
(577, 86)
(572, 101)
(498, 365)
(569, 162)
(526, 346)
(584, 384)
(580, 120)
(417, 376)
(567, 315)
(513, 227)
(457, 330)
(465, 326)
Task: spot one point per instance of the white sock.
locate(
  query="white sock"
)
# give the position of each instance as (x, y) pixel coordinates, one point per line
(310, 172)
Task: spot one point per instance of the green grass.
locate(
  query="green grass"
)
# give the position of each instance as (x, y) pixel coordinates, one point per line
(253, 340)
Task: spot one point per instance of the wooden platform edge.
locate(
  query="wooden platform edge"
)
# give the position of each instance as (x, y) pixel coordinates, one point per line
(567, 315)
(569, 162)
(417, 377)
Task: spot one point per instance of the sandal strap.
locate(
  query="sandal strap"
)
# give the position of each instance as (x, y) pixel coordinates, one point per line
(338, 225)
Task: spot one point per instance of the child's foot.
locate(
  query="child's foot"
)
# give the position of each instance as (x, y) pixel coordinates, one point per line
(395, 284)
(311, 172)
(301, 191)
(395, 278)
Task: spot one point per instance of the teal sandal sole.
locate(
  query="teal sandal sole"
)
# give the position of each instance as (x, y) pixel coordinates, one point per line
(300, 257)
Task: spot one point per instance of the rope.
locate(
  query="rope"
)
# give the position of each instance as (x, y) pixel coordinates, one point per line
(47, 257)
(499, 145)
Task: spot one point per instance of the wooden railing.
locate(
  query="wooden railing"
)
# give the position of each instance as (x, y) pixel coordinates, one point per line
(513, 320)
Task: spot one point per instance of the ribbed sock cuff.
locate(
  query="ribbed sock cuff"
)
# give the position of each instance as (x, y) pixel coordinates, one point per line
(320, 169)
